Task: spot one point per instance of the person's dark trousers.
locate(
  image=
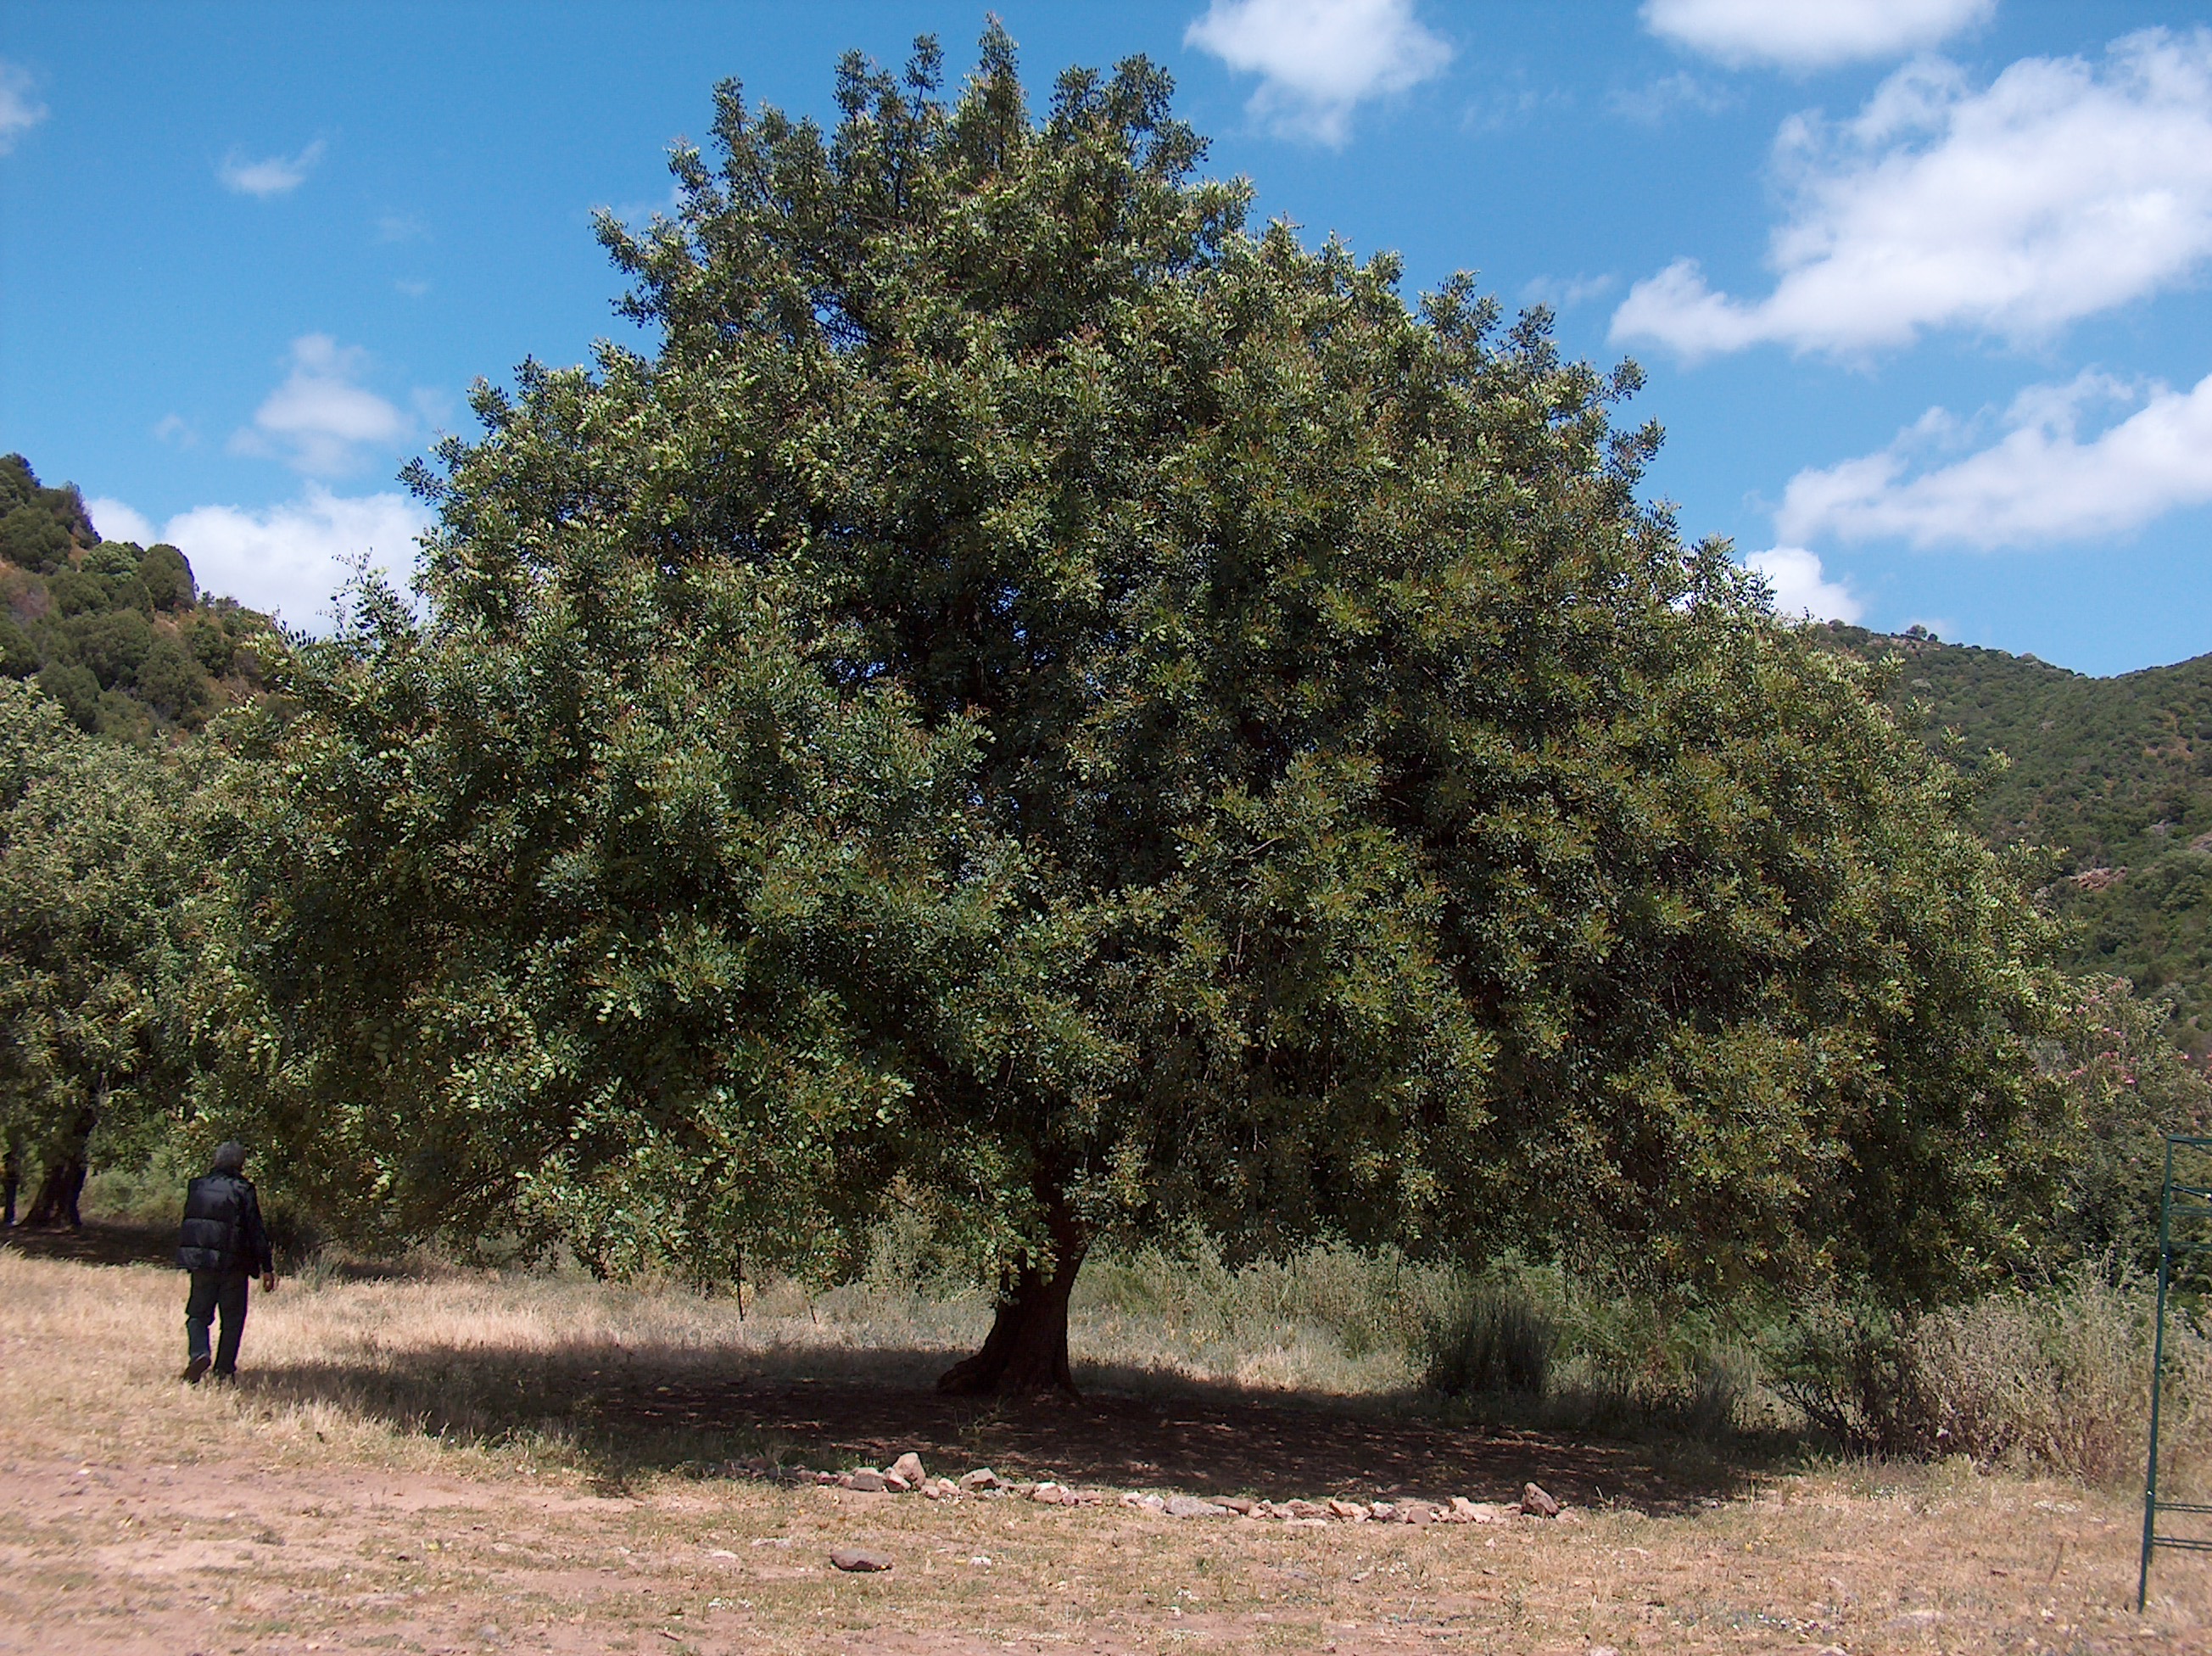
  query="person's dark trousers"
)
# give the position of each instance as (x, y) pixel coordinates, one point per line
(213, 1291)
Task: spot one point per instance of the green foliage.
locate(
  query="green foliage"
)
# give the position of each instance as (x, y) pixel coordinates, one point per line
(168, 577)
(617, 947)
(31, 537)
(113, 645)
(2115, 774)
(2130, 1087)
(1118, 720)
(172, 684)
(115, 633)
(92, 874)
(75, 690)
(18, 656)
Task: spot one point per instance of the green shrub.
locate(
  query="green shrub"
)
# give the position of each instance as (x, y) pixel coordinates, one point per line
(167, 576)
(18, 656)
(2053, 1380)
(31, 538)
(1491, 1340)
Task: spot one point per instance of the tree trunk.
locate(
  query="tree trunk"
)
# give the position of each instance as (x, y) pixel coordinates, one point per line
(63, 1181)
(55, 1205)
(1026, 1351)
(11, 1180)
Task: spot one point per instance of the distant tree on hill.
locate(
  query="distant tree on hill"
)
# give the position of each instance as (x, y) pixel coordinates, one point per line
(115, 633)
(1044, 701)
(166, 575)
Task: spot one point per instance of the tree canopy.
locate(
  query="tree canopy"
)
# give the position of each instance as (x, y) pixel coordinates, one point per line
(93, 958)
(1040, 699)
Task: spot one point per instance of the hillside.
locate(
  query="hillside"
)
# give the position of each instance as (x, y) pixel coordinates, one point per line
(118, 634)
(2115, 774)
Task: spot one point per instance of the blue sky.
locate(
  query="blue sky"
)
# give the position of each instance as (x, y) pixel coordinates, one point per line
(1919, 285)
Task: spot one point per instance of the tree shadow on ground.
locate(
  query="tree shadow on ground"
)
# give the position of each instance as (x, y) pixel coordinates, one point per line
(632, 1410)
(96, 1243)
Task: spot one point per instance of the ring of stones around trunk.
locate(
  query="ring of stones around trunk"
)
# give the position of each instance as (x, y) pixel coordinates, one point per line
(909, 1466)
(1537, 1503)
(866, 1479)
(981, 1480)
(860, 1560)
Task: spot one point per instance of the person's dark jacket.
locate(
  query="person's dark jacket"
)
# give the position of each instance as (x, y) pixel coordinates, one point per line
(222, 1229)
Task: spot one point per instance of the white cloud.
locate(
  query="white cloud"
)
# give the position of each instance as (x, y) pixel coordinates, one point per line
(174, 428)
(1566, 293)
(319, 421)
(1319, 59)
(1801, 589)
(1812, 35)
(289, 560)
(1652, 103)
(116, 521)
(20, 108)
(2041, 482)
(276, 175)
(2064, 189)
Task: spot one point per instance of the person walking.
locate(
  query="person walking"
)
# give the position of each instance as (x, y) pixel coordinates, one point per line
(223, 1245)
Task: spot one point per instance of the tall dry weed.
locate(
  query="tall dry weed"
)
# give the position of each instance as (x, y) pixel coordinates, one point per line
(2055, 1380)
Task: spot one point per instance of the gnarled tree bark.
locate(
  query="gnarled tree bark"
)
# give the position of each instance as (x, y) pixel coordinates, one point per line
(1026, 1351)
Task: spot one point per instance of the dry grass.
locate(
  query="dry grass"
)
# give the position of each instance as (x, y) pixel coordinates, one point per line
(415, 1463)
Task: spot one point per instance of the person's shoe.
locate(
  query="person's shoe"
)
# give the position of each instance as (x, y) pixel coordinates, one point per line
(196, 1370)
(226, 1377)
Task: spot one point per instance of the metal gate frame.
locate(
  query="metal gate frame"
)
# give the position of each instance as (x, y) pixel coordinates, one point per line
(2195, 1208)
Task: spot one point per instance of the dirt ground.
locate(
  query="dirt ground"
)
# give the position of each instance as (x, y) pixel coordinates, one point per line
(303, 1511)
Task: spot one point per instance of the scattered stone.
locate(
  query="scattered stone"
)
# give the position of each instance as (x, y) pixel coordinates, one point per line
(1601, 1650)
(1191, 1506)
(982, 1478)
(856, 1558)
(769, 1540)
(896, 1484)
(1351, 1509)
(1415, 1512)
(1049, 1494)
(909, 1466)
(1307, 1508)
(827, 1477)
(940, 1489)
(721, 1552)
(1146, 1503)
(1535, 1502)
(1243, 1505)
(1382, 1509)
(869, 1481)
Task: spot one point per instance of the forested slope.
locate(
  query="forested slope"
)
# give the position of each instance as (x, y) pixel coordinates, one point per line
(2114, 774)
(116, 633)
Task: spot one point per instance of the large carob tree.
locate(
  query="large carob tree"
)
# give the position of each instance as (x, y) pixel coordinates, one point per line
(1038, 700)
